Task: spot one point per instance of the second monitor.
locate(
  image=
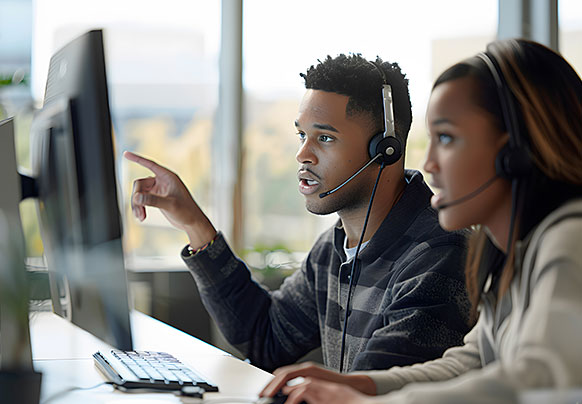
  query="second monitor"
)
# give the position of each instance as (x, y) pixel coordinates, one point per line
(73, 163)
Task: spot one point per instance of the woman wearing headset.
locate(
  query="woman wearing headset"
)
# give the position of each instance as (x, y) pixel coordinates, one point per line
(505, 152)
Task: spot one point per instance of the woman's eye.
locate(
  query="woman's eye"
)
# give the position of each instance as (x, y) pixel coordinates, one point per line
(444, 139)
(325, 138)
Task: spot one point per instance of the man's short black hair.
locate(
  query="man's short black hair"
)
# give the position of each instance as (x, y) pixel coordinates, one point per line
(357, 78)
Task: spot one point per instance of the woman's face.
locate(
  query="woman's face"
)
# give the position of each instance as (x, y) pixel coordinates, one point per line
(464, 141)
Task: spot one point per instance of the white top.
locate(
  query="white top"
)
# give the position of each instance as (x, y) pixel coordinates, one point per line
(351, 251)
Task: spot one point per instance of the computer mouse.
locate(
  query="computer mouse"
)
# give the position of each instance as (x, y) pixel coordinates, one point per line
(278, 398)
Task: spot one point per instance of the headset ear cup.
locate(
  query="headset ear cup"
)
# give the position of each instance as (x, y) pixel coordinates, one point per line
(512, 163)
(389, 146)
(500, 162)
(373, 145)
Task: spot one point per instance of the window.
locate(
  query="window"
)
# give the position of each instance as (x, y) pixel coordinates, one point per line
(162, 67)
(282, 39)
(570, 35)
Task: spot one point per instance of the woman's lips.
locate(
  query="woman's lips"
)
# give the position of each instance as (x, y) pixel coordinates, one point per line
(436, 200)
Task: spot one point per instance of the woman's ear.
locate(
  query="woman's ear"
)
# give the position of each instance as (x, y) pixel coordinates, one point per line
(502, 141)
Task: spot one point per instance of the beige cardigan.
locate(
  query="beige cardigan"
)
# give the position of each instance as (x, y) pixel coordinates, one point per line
(536, 345)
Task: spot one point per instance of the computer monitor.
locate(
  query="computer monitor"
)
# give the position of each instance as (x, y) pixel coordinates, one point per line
(15, 351)
(74, 168)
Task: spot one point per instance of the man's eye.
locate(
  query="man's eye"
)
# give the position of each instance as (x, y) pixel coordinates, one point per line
(325, 138)
(301, 136)
(444, 138)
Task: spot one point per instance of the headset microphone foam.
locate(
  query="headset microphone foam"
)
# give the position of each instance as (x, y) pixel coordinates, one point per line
(470, 195)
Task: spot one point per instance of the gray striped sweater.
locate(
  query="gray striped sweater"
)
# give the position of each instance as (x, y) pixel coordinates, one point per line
(409, 304)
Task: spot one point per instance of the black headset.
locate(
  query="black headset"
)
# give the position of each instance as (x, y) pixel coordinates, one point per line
(514, 159)
(513, 162)
(384, 148)
(385, 143)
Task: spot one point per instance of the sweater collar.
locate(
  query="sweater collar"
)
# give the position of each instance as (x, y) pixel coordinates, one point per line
(415, 198)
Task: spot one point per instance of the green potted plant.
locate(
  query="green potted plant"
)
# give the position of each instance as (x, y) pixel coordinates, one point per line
(270, 265)
(8, 82)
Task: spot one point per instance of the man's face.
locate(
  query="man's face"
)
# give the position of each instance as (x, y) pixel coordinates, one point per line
(332, 147)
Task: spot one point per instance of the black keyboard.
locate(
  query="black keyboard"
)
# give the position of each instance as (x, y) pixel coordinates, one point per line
(149, 370)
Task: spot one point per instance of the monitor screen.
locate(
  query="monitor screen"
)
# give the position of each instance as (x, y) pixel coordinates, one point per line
(80, 222)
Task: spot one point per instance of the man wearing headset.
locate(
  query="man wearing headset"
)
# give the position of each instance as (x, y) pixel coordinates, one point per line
(403, 302)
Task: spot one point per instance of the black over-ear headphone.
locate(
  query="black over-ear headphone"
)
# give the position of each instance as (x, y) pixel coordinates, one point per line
(513, 160)
(385, 144)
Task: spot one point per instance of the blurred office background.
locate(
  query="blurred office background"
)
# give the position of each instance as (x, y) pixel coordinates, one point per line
(170, 62)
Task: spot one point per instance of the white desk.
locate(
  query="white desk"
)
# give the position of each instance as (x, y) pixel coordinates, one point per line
(63, 353)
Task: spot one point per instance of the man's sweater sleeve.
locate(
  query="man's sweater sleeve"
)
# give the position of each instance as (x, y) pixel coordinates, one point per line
(271, 328)
(428, 311)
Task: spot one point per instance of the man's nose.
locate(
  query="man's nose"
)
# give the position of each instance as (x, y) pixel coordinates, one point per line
(306, 154)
